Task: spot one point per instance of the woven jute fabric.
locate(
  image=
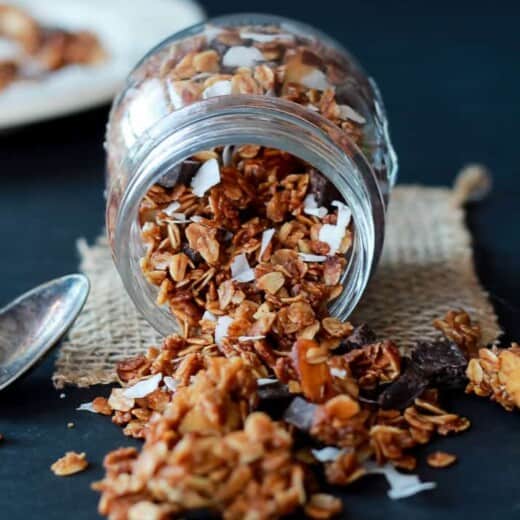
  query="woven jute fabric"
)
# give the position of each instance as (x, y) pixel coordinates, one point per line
(426, 269)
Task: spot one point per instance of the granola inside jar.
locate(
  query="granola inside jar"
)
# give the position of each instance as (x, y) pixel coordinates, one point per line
(249, 167)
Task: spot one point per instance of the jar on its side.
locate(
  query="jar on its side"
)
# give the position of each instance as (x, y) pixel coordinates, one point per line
(248, 80)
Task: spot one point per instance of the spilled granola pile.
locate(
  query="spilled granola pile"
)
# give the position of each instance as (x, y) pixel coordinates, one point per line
(262, 389)
(31, 50)
(225, 431)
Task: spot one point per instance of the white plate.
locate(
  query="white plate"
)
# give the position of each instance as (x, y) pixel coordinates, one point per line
(127, 30)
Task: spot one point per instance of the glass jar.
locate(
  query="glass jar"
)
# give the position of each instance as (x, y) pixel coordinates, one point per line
(248, 79)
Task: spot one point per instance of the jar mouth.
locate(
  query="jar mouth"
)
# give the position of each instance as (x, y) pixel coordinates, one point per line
(269, 122)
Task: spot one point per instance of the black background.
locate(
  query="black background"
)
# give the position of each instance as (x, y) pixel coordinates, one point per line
(449, 73)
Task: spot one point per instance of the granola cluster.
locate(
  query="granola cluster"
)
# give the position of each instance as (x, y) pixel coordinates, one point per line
(38, 50)
(495, 373)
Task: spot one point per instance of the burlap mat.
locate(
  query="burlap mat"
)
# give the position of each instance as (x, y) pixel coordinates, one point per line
(426, 269)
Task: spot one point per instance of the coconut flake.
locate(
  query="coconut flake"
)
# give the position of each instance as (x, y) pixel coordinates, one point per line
(207, 176)
(143, 387)
(401, 485)
(333, 235)
(250, 338)
(307, 257)
(300, 413)
(86, 407)
(315, 79)
(262, 37)
(179, 218)
(227, 155)
(346, 112)
(196, 218)
(338, 372)
(240, 56)
(310, 206)
(344, 213)
(267, 236)
(170, 383)
(327, 454)
(171, 208)
(209, 316)
(316, 212)
(240, 270)
(219, 88)
(62, 396)
(263, 381)
(221, 329)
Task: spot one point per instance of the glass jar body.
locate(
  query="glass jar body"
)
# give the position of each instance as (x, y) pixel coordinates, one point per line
(247, 79)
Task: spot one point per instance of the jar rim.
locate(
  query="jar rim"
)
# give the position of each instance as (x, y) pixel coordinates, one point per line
(267, 121)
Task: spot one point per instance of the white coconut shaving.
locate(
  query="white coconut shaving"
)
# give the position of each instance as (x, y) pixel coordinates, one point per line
(9, 50)
(300, 413)
(402, 485)
(86, 407)
(267, 236)
(250, 338)
(310, 206)
(207, 176)
(219, 88)
(346, 112)
(221, 328)
(307, 257)
(333, 234)
(170, 383)
(327, 454)
(175, 98)
(315, 79)
(62, 396)
(179, 218)
(196, 218)
(208, 316)
(227, 155)
(143, 387)
(344, 213)
(240, 56)
(211, 32)
(316, 212)
(240, 269)
(262, 37)
(171, 208)
(338, 372)
(263, 381)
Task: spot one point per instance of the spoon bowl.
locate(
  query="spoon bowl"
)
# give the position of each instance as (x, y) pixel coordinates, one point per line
(33, 323)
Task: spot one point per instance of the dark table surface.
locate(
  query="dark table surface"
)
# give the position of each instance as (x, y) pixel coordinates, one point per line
(449, 73)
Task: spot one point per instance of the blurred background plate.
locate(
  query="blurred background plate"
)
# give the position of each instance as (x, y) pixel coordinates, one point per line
(127, 30)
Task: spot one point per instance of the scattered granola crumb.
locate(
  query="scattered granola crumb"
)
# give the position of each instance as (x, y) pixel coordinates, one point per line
(62, 395)
(440, 459)
(70, 425)
(69, 464)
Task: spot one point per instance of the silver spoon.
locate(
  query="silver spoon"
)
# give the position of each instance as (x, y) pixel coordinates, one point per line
(32, 324)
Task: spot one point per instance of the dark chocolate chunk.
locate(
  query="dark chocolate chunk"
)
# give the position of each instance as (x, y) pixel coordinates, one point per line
(275, 390)
(442, 362)
(180, 174)
(322, 189)
(193, 255)
(361, 336)
(405, 389)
